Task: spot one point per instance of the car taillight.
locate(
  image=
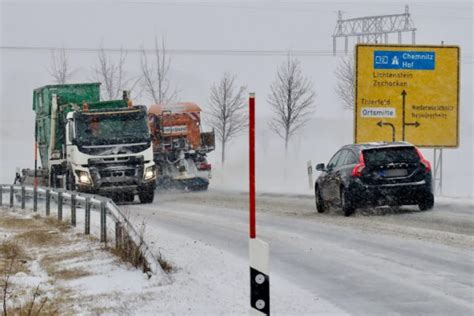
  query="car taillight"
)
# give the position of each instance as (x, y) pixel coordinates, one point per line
(357, 171)
(425, 162)
(204, 166)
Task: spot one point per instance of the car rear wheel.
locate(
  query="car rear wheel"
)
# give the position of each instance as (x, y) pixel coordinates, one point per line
(320, 205)
(346, 205)
(426, 203)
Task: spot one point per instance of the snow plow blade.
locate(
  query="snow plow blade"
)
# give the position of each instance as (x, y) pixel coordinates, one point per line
(188, 184)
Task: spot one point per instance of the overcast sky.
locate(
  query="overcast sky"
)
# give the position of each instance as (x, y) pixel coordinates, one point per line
(210, 26)
(200, 25)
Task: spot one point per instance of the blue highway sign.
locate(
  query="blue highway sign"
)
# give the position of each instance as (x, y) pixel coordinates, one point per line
(409, 60)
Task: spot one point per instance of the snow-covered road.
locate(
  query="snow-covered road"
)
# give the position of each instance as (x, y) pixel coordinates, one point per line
(379, 262)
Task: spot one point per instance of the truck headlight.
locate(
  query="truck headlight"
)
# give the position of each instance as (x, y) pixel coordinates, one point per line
(55, 154)
(83, 177)
(149, 173)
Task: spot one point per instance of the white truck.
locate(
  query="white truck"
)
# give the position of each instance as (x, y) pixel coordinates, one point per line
(93, 146)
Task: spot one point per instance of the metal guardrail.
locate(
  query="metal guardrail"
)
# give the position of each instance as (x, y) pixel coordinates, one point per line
(126, 237)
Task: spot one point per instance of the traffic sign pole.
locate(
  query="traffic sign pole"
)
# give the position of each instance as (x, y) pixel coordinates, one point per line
(258, 250)
(437, 171)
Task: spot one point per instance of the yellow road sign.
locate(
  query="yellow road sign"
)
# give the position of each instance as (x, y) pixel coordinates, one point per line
(407, 92)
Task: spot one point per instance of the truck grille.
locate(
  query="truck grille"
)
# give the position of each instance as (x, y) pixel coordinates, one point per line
(116, 171)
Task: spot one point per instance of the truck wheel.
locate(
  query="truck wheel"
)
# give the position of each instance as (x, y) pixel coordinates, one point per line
(70, 183)
(146, 196)
(53, 179)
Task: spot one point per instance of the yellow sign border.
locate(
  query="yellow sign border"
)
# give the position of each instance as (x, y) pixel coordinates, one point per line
(401, 46)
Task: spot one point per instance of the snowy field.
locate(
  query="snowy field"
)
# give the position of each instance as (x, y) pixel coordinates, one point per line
(73, 274)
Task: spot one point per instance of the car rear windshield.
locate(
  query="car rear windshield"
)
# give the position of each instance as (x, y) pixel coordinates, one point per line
(385, 156)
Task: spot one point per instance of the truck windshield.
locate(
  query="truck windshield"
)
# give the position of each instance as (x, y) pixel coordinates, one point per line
(108, 129)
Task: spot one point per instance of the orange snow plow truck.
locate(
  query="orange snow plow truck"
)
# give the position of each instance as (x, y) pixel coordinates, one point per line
(180, 147)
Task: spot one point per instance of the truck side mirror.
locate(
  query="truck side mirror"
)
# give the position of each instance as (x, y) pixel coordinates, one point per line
(320, 167)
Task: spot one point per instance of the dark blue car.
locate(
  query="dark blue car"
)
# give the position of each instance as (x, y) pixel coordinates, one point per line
(374, 174)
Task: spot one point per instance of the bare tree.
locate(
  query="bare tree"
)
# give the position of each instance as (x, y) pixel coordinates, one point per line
(227, 110)
(59, 67)
(111, 73)
(155, 75)
(291, 98)
(345, 87)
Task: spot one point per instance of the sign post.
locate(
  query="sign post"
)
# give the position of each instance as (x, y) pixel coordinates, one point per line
(407, 93)
(258, 249)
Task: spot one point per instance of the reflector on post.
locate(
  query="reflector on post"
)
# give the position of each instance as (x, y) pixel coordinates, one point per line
(259, 277)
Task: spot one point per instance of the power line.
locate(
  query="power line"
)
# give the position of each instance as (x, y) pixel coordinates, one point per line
(186, 51)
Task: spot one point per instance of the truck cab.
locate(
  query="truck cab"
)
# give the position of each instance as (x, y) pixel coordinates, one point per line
(109, 152)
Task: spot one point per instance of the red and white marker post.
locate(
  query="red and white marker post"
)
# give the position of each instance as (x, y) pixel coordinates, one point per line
(259, 250)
